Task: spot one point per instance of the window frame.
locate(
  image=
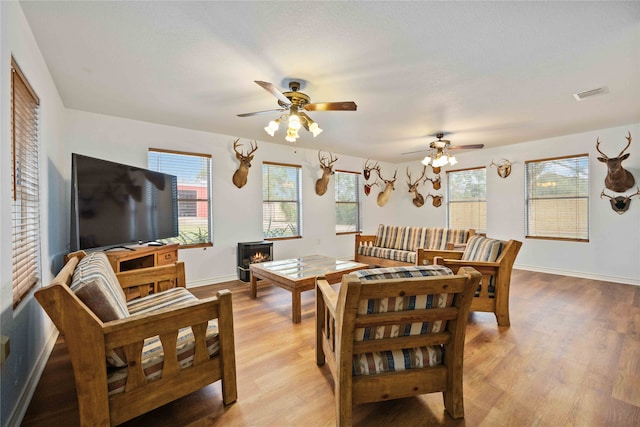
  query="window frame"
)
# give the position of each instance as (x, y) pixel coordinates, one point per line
(527, 198)
(26, 270)
(477, 229)
(197, 200)
(297, 201)
(357, 202)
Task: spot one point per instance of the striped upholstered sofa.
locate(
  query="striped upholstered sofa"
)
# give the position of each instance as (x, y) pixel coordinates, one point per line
(394, 246)
(130, 357)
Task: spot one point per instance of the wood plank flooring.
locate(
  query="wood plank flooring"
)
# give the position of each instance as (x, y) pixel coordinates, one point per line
(570, 358)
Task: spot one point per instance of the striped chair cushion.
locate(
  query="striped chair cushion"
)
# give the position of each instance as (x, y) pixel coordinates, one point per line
(388, 236)
(392, 254)
(153, 356)
(437, 238)
(95, 283)
(409, 358)
(170, 298)
(481, 248)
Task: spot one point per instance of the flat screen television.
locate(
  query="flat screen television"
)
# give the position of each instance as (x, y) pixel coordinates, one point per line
(113, 204)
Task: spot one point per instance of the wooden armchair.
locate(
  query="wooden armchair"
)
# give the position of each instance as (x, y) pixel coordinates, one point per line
(494, 260)
(383, 319)
(130, 358)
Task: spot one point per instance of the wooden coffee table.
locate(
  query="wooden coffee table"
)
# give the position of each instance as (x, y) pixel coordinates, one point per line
(299, 274)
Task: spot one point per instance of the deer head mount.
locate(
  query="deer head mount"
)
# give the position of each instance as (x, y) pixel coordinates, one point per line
(437, 199)
(435, 181)
(504, 168)
(418, 199)
(383, 196)
(618, 179)
(366, 172)
(327, 171)
(240, 175)
(620, 204)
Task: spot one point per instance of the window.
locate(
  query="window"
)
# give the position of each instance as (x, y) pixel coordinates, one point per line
(347, 202)
(467, 199)
(194, 189)
(281, 201)
(25, 219)
(557, 198)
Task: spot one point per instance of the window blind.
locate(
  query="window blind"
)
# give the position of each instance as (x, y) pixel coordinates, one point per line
(25, 186)
(557, 198)
(281, 200)
(193, 170)
(347, 194)
(467, 199)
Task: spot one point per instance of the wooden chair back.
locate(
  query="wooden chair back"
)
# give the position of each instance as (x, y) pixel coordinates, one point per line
(340, 326)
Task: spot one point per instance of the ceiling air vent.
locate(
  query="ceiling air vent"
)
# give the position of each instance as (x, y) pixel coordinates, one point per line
(588, 93)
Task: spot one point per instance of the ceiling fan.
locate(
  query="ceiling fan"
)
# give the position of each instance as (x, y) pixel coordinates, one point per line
(439, 155)
(291, 103)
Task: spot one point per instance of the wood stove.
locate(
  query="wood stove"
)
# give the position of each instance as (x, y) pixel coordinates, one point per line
(250, 253)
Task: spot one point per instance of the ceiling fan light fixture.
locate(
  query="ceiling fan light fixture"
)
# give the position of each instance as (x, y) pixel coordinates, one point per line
(452, 160)
(294, 122)
(315, 129)
(440, 161)
(272, 127)
(426, 160)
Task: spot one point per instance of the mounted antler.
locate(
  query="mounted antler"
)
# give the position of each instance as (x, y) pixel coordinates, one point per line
(418, 199)
(436, 181)
(383, 196)
(437, 199)
(620, 204)
(367, 170)
(618, 179)
(327, 171)
(240, 175)
(504, 168)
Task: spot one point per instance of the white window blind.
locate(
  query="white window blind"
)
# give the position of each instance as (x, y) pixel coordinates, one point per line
(281, 200)
(557, 198)
(467, 199)
(347, 185)
(194, 188)
(25, 189)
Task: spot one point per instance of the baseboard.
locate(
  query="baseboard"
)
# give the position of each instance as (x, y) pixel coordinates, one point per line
(18, 413)
(580, 274)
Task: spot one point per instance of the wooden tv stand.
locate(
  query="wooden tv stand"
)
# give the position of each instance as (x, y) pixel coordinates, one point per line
(144, 256)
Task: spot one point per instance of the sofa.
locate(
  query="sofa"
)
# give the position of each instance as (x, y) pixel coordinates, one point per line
(394, 246)
(130, 357)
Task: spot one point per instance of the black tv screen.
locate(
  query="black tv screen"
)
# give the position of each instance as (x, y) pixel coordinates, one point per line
(114, 204)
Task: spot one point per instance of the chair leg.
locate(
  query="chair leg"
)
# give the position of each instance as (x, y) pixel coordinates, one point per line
(343, 408)
(453, 403)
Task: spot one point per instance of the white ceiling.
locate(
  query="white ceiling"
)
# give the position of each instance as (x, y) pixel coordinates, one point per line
(492, 73)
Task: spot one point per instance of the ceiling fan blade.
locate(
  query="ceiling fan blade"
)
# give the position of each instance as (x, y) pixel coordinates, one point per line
(257, 113)
(465, 147)
(413, 152)
(269, 87)
(332, 106)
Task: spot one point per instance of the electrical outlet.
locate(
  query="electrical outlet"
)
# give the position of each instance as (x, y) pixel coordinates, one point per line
(5, 348)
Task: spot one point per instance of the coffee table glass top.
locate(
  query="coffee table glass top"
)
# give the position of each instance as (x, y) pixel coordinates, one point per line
(307, 266)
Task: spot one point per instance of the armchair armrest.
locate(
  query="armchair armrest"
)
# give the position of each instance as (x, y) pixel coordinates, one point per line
(365, 239)
(482, 266)
(427, 256)
(137, 282)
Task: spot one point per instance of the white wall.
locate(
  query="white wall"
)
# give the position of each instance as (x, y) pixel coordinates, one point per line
(613, 250)
(30, 332)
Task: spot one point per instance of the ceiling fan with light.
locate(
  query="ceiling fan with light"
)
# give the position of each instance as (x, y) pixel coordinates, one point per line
(439, 156)
(291, 103)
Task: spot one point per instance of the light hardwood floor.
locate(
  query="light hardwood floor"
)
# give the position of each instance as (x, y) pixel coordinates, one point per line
(570, 358)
